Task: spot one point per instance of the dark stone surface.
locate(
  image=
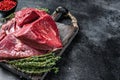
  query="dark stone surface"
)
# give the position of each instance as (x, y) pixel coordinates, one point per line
(94, 54)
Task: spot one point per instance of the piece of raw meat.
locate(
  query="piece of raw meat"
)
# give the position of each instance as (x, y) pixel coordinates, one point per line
(12, 48)
(32, 32)
(41, 34)
(28, 15)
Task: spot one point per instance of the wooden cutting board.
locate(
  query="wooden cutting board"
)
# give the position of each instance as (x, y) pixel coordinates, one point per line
(67, 33)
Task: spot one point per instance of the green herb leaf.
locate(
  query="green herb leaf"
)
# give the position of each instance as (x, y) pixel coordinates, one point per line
(45, 9)
(36, 64)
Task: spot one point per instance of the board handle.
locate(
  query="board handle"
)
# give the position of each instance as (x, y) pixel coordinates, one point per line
(63, 12)
(59, 13)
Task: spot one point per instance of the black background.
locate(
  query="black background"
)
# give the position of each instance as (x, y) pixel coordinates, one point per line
(94, 54)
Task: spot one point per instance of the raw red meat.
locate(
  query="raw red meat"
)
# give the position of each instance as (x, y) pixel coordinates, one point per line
(9, 27)
(32, 32)
(12, 48)
(41, 34)
(26, 16)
